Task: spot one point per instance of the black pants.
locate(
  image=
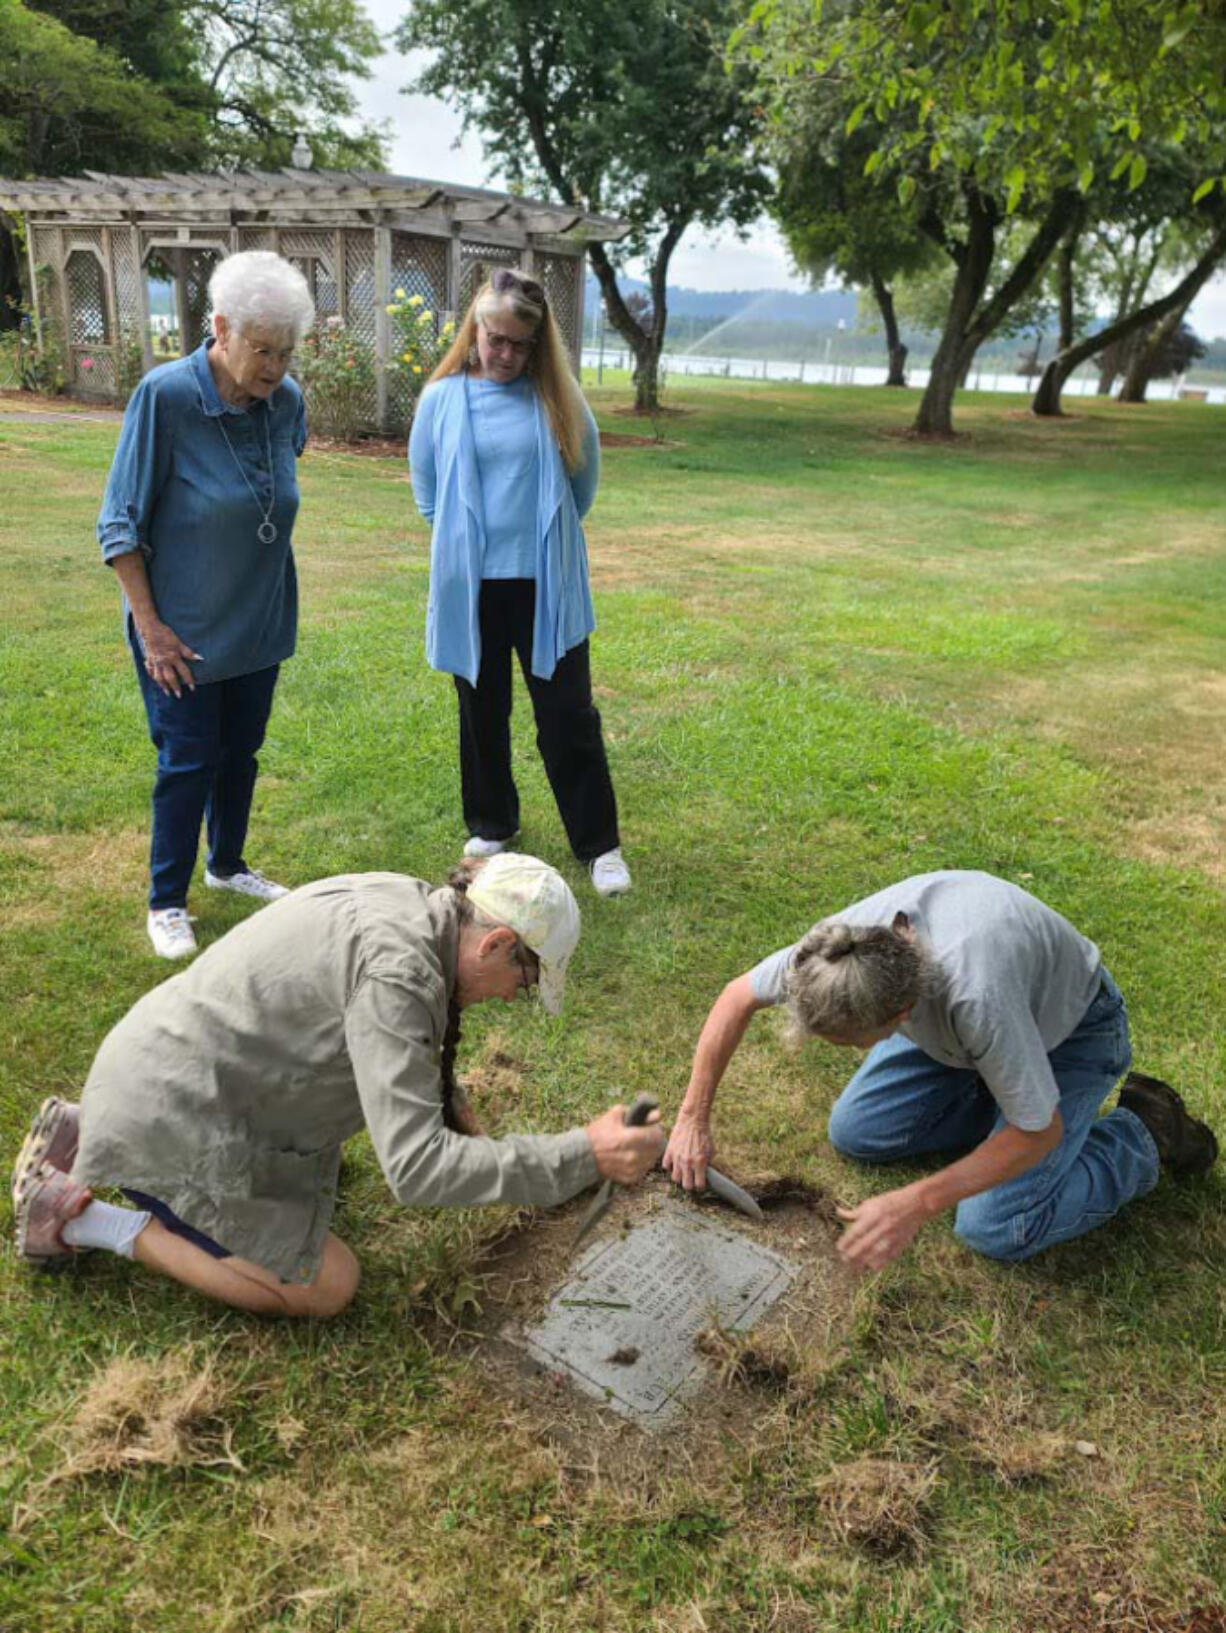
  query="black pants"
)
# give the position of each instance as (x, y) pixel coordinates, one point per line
(567, 729)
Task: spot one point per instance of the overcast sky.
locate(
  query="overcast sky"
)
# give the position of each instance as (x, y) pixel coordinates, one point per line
(426, 142)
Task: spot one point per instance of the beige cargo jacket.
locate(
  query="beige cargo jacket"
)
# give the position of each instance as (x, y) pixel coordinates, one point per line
(228, 1090)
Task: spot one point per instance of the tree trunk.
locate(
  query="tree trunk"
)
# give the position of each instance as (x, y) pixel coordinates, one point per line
(1148, 355)
(1106, 379)
(969, 324)
(1066, 256)
(895, 350)
(1047, 397)
(646, 344)
(974, 264)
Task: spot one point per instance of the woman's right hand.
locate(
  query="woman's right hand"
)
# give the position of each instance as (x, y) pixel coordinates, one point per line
(624, 1154)
(166, 657)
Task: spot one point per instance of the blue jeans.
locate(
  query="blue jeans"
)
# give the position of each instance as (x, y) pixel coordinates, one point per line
(902, 1103)
(207, 742)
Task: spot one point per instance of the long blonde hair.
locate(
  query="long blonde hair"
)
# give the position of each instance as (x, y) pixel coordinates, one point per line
(548, 365)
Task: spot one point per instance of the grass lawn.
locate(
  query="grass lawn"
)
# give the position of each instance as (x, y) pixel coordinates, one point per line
(828, 657)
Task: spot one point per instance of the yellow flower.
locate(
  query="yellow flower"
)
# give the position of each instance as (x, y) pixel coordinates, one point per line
(417, 368)
(415, 300)
(407, 358)
(400, 294)
(426, 316)
(448, 330)
(391, 310)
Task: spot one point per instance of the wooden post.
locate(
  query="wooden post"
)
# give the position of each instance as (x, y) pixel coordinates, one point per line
(455, 275)
(34, 289)
(383, 295)
(142, 296)
(181, 311)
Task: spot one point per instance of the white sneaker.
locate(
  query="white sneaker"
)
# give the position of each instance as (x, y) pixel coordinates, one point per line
(170, 931)
(610, 875)
(250, 883)
(485, 847)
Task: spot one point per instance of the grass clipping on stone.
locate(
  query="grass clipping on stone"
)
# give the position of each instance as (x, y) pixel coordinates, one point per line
(170, 1413)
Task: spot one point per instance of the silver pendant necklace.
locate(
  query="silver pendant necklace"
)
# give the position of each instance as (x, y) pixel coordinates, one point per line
(267, 530)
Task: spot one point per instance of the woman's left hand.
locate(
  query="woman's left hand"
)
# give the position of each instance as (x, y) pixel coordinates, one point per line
(880, 1229)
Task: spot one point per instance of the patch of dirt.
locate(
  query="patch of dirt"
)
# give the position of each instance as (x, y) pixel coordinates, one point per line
(878, 1504)
(752, 1375)
(621, 439)
(1119, 1608)
(661, 413)
(37, 402)
(364, 447)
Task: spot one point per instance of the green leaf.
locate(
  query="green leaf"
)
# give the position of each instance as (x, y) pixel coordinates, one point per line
(874, 162)
(855, 117)
(1205, 188)
(1120, 165)
(1015, 181)
(906, 189)
(1085, 177)
(1136, 172)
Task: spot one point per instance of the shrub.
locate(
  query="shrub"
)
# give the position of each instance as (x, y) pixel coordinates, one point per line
(337, 374)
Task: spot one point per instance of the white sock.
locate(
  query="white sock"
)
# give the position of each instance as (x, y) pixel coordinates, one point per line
(102, 1224)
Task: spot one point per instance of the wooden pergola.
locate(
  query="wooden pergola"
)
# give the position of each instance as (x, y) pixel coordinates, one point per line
(357, 236)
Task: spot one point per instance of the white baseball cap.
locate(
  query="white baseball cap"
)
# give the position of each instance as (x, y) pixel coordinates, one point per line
(536, 902)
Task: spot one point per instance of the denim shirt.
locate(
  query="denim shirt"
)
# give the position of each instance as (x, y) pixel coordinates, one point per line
(447, 487)
(178, 492)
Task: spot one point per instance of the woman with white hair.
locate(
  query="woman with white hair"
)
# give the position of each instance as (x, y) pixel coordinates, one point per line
(995, 1034)
(196, 523)
(219, 1104)
(505, 459)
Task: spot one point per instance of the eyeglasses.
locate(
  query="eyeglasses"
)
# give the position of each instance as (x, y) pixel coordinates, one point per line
(270, 354)
(504, 279)
(529, 966)
(504, 343)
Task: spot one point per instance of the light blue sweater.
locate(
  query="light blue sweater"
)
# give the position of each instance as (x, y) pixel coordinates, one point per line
(487, 474)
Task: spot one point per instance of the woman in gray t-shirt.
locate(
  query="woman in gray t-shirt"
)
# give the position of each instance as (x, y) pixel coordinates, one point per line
(994, 1030)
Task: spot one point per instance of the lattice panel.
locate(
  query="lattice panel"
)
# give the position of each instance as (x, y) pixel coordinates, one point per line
(359, 249)
(48, 255)
(256, 238)
(419, 267)
(477, 261)
(198, 267)
(127, 282)
(93, 371)
(562, 276)
(87, 312)
(314, 254)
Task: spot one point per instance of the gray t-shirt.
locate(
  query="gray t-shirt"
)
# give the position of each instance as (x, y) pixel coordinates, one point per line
(1017, 980)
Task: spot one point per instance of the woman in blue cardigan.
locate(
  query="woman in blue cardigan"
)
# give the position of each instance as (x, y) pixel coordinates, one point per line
(505, 460)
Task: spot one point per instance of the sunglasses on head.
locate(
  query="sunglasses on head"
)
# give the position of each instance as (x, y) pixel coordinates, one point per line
(503, 280)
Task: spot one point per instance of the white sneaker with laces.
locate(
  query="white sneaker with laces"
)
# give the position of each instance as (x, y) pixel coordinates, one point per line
(170, 931)
(610, 875)
(485, 847)
(249, 883)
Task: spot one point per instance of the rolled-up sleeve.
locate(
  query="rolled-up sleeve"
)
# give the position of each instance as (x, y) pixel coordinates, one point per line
(585, 478)
(422, 473)
(390, 1036)
(138, 473)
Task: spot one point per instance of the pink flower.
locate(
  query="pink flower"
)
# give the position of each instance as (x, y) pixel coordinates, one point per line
(87, 362)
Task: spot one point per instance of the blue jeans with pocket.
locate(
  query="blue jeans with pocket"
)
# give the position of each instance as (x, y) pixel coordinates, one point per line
(207, 742)
(902, 1103)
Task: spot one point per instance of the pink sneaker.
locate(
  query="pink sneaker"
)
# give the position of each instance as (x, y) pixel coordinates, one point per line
(52, 1139)
(48, 1202)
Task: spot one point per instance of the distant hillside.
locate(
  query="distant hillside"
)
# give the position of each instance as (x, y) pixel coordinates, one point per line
(809, 309)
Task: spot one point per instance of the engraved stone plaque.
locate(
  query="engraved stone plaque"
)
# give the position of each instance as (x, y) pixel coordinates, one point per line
(623, 1327)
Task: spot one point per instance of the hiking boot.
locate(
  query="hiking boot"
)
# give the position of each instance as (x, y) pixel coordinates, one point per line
(52, 1139)
(1185, 1145)
(48, 1202)
(246, 882)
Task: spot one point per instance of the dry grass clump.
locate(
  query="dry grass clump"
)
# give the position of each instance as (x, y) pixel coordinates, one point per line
(167, 1412)
(879, 1504)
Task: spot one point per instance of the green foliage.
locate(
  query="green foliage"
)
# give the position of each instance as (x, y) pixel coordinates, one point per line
(417, 343)
(337, 374)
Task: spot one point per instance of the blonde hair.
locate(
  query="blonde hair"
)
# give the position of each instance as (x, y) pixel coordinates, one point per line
(548, 364)
(849, 978)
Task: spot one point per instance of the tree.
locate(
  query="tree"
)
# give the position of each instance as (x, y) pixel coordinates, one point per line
(625, 110)
(836, 220)
(1170, 348)
(1011, 106)
(148, 85)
